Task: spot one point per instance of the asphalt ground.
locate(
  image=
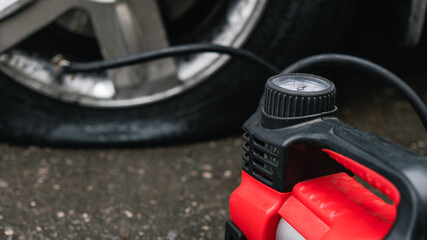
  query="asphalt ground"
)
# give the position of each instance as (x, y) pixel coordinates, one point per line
(172, 192)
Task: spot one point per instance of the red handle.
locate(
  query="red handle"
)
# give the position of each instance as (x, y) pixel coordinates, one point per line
(376, 180)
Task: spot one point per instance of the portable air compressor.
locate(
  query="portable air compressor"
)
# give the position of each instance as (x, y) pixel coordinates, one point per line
(304, 173)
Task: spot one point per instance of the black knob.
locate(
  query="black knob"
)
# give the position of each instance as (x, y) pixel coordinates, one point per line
(298, 95)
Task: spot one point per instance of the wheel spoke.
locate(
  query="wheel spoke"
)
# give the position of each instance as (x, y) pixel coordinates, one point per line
(30, 19)
(130, 27)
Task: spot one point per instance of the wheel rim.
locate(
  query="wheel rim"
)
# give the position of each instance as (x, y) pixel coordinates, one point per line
(119, 32)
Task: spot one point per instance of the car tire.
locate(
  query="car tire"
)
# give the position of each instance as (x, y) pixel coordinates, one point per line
(288, 30)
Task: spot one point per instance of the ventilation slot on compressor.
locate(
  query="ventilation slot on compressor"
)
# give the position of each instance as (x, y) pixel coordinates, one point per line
(245, 146)
(265, 159)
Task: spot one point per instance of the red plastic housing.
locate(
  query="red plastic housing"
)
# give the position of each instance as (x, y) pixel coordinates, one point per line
(337, 207)
(329, 207)
(254, 208)
(373, 178)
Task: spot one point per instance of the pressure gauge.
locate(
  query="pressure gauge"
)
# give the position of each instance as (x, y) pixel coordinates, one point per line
(298, 95)
(300, 83)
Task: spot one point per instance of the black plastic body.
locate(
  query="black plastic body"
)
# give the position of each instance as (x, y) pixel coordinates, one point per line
(283, 156)
(232, 232)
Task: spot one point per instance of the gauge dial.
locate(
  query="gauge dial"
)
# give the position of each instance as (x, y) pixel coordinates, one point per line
(301, 84)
